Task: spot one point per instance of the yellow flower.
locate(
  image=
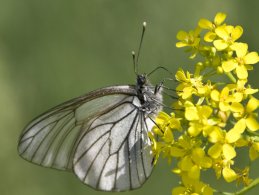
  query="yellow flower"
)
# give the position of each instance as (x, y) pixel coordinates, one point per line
(223, 151)
(165, 124)
(218, 20)
(242, 62)
(223, 142)
(192, 158)
(195, 161)
(190, 85)
(206, 24)
(249, 116)
(159, 147)
(229, 174)
(190, 38)
(240, 91)
(243, 176)
(252, 144)
(227, 101)
(183, 146)
(195, 113)
(192, 187)
(223, 167)
(227, 36)
(235, 133)
(199, 118)
(185, 88)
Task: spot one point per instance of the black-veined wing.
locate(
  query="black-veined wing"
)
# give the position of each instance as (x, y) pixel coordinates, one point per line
(101, 135)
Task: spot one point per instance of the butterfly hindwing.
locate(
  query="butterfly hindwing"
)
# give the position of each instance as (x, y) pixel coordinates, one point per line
(119, 159)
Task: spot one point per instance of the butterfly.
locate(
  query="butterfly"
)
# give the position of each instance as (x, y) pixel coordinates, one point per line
(101, 136)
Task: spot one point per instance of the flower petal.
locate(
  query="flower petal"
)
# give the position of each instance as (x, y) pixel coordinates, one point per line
(178, 190)
(240, 126)
(191, 114)
(180, 76)
(194, 130)
(215, 135)
(181, 44)
(251, 58)
(228, 151)
(220, 44)
(206, 162)
(252, 123)
(215, 95)
(252, 104)
(187, 92)
(242, 72)
(222, 32)
(186, 163)
(205, 24)
(229, 174)
(236, 33)
(204, 111)
(236, 107)
(219, 18)
(238, 96)
(209, 36)
(182, 35)
(224, 106)
(229, 65)
(240, 48)
(194, 173)
(253, 153)
(215, 150)
(250, 91)
(168, 136)
(232, 136)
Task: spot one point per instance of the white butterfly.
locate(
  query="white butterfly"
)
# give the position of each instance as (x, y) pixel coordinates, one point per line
(101, 136)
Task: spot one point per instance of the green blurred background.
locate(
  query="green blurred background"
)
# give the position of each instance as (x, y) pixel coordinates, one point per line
(53, 50)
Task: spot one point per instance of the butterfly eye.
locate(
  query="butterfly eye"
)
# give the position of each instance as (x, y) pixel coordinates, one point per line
(141, 80)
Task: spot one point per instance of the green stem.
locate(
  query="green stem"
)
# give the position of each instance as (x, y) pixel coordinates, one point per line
(197, 70)
(209, 74)
(245, 189)
(231, 77)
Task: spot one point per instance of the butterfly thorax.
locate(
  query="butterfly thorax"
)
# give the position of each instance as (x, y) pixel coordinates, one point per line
(149, 98)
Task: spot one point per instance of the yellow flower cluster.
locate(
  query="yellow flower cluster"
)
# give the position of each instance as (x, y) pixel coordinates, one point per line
(216, 112)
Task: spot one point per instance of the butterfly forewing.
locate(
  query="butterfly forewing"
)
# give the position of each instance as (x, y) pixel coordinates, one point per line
(49, 140)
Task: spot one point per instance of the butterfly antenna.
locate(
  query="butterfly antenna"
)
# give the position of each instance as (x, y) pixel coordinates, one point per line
(134, 62)
(136, 59)
(158, 68)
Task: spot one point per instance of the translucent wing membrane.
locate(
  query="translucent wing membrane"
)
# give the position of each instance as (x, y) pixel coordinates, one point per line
(102, 136)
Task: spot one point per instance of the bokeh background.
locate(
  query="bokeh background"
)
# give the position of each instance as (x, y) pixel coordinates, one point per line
(53, 50)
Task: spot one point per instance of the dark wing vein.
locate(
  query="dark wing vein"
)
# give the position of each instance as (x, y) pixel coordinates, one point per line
(53, 138)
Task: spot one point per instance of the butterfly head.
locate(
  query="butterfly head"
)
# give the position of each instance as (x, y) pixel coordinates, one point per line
(141, 79)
